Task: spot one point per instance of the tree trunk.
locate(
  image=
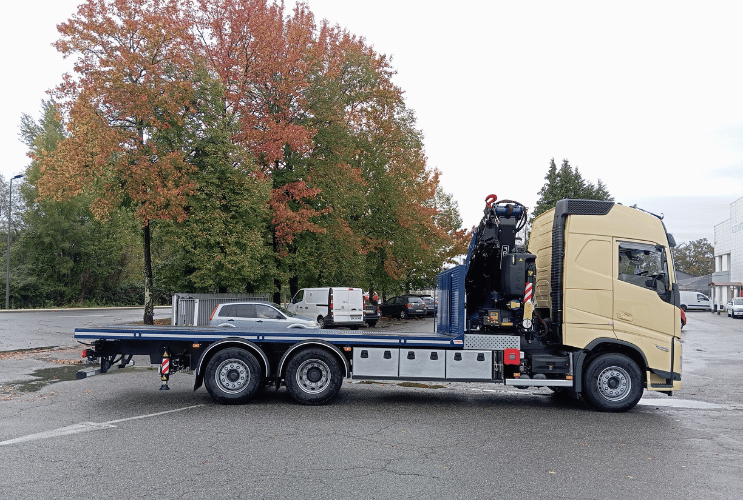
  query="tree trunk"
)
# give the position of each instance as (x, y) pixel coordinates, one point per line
(277, 293)
(148, 305)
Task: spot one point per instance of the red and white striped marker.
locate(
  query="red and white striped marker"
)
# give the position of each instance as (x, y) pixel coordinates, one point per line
(528, 292)
(165, 371)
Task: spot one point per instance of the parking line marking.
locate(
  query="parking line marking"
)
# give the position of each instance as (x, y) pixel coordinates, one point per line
(86, 427)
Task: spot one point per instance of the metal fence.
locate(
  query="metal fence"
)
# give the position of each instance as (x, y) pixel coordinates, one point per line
(193, 309)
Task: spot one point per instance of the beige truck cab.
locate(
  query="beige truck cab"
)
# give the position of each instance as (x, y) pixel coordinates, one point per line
(605, 280)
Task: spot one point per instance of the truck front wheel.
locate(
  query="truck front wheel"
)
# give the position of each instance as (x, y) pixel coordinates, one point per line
(313, 376)
(232, 376)
(613, 382)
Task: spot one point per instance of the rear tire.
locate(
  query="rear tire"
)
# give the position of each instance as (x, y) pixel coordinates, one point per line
(403, 315)
(233, 376)
(321, 321)
(612, 382)
(313, 376)
(371, 324)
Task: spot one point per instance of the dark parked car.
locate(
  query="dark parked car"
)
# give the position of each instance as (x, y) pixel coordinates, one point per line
(404, 306)
(258, 316)
(431, 304)
(371, 313)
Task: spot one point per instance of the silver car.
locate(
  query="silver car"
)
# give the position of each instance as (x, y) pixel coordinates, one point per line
(735, 307)
(258, 317)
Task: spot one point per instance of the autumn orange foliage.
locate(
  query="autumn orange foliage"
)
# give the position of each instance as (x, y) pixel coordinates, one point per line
(314, 106)
(132, 80)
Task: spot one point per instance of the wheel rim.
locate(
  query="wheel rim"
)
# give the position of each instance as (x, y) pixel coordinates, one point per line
(614, 383)
(313, 376)
(402, 315)
(232, 376)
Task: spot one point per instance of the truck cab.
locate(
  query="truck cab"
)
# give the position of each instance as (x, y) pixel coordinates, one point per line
(610, 287)
(592, 305)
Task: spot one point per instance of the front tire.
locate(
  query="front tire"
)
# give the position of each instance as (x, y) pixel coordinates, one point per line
(612, 382)
(313, 376)
(233, 376)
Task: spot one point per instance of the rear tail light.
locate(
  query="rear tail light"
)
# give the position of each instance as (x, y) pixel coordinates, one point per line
(213, 312)
(409, 306)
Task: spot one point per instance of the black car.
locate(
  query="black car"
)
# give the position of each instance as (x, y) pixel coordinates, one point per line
(431, 304)
(404, 306)
(371, 313)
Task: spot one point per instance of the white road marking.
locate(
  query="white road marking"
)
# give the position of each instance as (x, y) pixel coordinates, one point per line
(668, 403)
(86, 427)
(86, 316)
(687, 403)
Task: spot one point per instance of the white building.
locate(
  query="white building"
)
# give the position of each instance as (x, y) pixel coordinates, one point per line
(727, 280)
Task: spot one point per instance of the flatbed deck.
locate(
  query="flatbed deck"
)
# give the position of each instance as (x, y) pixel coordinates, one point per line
(213, 334)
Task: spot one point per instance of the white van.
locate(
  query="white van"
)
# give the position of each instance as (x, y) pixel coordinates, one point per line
(695, 301)
(333, 306)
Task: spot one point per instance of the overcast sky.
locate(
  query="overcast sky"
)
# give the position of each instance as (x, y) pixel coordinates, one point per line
(646, 96)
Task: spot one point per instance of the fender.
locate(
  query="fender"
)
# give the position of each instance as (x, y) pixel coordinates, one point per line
(586, 351)
(234, 341)
(304, 343)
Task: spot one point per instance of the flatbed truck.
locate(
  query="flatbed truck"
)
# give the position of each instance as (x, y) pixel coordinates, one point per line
(590, 311)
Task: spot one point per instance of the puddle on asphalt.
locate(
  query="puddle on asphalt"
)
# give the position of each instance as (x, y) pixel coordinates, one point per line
(46, 376)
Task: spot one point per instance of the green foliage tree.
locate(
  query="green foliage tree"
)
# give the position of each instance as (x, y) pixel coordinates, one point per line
(221, 245)
(64, 255)
(15, 227)
(567, 182)
(695, 257)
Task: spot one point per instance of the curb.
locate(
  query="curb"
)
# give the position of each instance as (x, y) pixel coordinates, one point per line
(66, 309)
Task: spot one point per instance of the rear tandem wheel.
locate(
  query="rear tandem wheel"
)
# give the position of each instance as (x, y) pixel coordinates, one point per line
(313, 376)
(233, 376)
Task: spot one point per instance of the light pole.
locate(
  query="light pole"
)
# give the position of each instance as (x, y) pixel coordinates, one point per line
(7, 266)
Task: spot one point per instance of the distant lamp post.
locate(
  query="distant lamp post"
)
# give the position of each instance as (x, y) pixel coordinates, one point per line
(7, 266)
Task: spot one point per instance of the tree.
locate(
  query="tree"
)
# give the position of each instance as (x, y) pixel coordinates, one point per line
(388, 211)
(567, 183)
(132, 82)
(695, 257)
(64, 254)
(222, 244)
(258, 144)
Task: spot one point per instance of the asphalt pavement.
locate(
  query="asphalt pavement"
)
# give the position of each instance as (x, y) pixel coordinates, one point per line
(24, 329)
(118, 432)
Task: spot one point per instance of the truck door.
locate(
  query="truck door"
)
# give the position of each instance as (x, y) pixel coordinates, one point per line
(643, 312)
